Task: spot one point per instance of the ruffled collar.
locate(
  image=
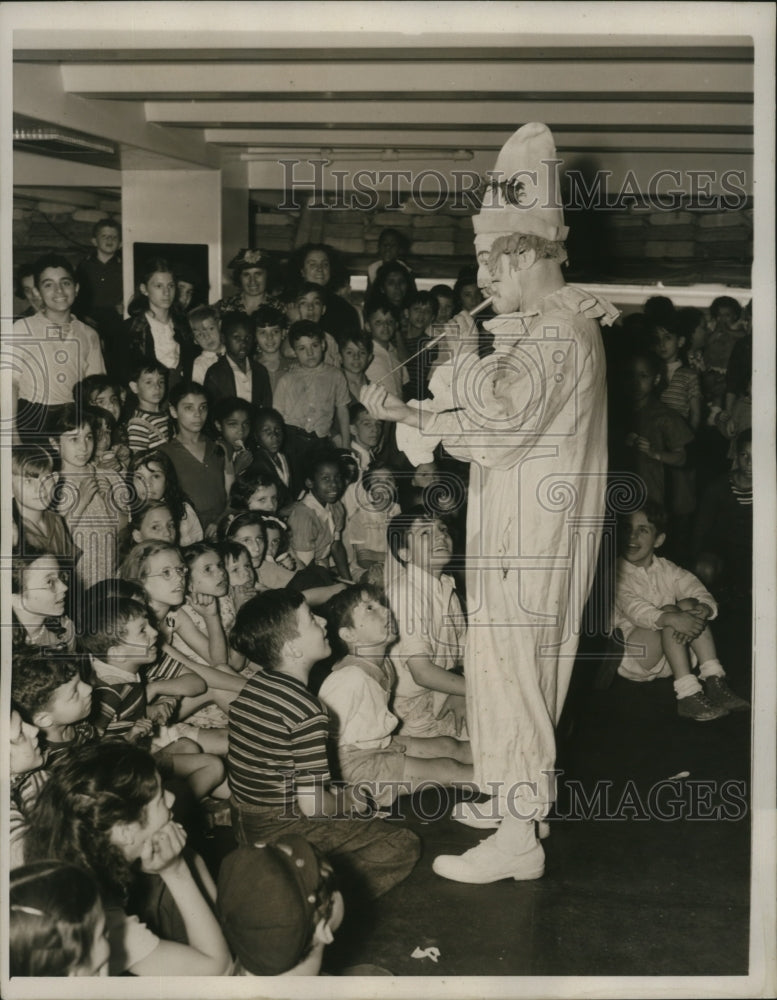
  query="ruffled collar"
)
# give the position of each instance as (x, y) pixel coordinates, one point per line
(569, 298)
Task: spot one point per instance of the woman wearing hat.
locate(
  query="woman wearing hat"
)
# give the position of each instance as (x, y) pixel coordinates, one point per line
(251, 274)
(531, 419)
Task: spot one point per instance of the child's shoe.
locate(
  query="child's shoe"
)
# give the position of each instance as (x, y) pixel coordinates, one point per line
(700, 708)
(721, 695)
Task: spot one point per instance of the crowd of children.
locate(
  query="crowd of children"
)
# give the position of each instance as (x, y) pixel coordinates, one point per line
(208, 526)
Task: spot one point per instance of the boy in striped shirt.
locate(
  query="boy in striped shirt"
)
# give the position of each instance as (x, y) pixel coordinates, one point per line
(277, 761)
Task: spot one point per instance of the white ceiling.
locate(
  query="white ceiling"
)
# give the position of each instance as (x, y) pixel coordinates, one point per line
(631, 101)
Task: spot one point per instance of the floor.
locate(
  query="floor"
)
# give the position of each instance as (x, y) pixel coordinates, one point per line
(625, 893)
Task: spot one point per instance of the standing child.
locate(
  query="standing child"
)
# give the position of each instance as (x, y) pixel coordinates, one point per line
(149, 425)
(100, 280)
(357, 354)
(93, 505)
(391, 246)
(153, 478)
(657, 435)
(198, 464)
(270, 330)
(310, 304)
(154, 331)
(386, 366)
(681, 392)
(60, 349)
(662, 612)
(311, 397)
(236, 373)
(204, 323)
(277, 761)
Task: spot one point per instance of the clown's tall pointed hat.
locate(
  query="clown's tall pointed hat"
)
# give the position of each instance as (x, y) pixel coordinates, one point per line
(524, 195)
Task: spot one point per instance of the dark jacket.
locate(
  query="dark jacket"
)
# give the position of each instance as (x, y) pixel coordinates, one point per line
(220, 382)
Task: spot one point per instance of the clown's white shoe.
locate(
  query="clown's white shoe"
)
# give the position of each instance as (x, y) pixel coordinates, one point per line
(486, 863)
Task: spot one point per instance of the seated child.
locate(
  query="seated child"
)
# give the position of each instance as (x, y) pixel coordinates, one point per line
(357, 694)
(53, 696)
(270, 331)
(318, 519)
(662, 611)
(255, 490)
(311, 397)
(159, 569)
(151, 521)
(365, 537)
(242, 580)
(38, 593)
(102, 393)
(56, 922)
(269, 457)
(197, 462)
(93, 504)
(153, 478)
(204, 324)
(232, 420)
(365, 434)
(279, 565)
(357, 354)
(124, 642)
(33, 483)
(206, 587)
(27, 779)
(113, 792)
(149, 425)
(292, 879)
(277, 761)
(429, 696)
(109, 454)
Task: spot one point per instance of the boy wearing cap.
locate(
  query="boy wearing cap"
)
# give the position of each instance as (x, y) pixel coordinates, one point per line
(531, 421)
(299, 913)
(277, 760)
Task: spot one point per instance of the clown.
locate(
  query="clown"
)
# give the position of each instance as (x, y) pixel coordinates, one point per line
(531, 421)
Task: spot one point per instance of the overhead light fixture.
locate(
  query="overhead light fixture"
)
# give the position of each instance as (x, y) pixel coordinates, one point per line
(386, 155)
(57, 140)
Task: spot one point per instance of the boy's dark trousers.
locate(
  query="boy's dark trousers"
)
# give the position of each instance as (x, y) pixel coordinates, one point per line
(368, 853)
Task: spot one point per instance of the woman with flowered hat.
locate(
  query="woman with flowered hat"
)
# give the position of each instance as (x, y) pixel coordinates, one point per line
(252, 272)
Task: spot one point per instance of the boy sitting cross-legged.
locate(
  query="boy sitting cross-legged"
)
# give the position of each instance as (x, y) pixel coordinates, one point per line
(277, 761)
(122, 642)
(662, 610)
(357, 694)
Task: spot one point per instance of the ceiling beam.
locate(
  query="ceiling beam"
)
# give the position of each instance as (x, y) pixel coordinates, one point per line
(480, 115)
(38, 93)
(122, 80)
